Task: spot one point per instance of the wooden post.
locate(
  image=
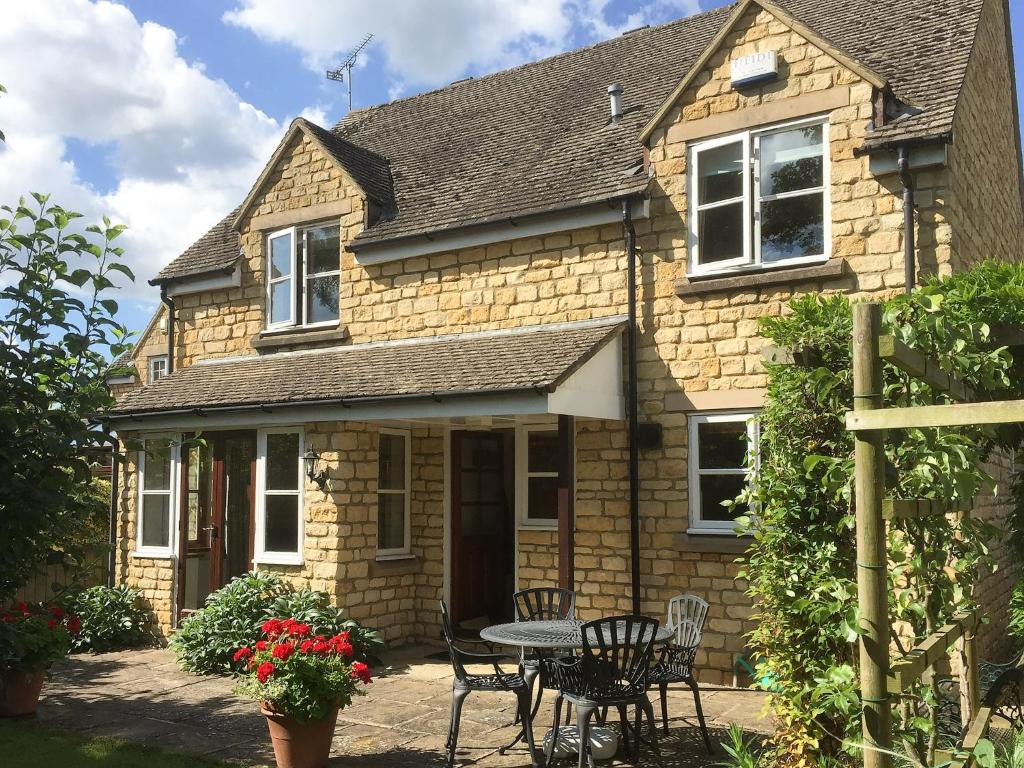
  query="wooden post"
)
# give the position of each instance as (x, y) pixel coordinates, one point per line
(566, 501)
(872, 586)
(970, 685)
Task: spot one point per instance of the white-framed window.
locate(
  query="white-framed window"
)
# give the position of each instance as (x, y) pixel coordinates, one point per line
(394, 481)
(158, 475)
(537, 475)
(157, 367)
(760, 199)
(280, 516)
(718, 468)
(304, 276)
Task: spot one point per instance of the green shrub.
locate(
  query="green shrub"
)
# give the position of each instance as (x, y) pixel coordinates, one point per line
(231, 619)
(742, 751)
(113, 618)
(1016, 621)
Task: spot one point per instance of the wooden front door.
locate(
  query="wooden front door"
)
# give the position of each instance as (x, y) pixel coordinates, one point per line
(482, 528)
(217, 514)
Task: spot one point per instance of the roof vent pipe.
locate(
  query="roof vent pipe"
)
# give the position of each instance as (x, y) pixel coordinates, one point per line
(615, 99)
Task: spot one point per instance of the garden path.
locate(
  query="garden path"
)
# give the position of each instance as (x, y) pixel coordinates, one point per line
(142, 696)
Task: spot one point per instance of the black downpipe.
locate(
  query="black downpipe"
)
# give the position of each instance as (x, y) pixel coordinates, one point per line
(169, 303)
(115, 476)
(632, 404)
(909, 238)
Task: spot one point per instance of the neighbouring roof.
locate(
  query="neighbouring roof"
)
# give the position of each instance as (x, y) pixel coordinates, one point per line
(534, 358)
(538, 137)
(216, 251)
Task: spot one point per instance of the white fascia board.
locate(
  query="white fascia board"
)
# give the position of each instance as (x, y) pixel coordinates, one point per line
(595, 389)
(499, 232)
(120, 380)
(882, 163)
(198, 285)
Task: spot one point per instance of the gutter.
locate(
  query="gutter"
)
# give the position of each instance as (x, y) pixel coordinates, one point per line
(169, 303)
(909, 236)
(344, 402)
(632, 407)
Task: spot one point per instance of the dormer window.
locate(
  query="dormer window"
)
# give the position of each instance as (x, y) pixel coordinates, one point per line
(303, 276)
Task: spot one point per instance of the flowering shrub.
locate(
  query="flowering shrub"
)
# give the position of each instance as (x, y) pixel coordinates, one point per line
(33, 637)
(299, 674)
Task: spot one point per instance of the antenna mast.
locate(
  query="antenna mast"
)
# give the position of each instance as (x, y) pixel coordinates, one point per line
(344, 72)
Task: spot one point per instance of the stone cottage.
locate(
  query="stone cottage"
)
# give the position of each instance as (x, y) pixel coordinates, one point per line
(407, 350)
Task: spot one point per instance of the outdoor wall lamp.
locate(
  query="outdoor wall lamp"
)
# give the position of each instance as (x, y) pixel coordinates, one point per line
(311, 460)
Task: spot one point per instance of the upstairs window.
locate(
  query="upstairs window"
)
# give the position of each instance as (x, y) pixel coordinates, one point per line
(760, 198)
(303, 276)
(157, 367)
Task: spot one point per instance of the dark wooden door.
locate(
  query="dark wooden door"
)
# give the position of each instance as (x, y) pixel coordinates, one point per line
(482, 531)
(234, 508)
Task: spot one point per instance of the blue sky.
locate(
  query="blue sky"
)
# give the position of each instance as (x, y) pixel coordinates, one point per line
(161, 114)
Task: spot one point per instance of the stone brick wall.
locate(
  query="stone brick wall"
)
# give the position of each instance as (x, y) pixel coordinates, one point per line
(984, 159)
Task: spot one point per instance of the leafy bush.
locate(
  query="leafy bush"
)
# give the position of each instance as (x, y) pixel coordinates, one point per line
(113, 618)
(299, 673)
(233, 615)
(742, 751)
(1016, 620)
(33, 637)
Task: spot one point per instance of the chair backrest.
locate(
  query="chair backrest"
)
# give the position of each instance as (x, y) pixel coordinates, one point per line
(686, 617)
(544, 604)
(616, 654)
(449, 638)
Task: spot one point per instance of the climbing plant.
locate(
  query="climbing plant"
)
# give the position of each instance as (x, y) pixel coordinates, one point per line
(801, 568)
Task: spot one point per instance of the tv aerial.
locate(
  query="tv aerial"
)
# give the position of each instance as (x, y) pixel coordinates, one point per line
(344, 72)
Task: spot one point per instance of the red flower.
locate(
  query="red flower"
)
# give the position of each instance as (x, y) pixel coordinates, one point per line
(264, 671)
(306, 646)
(261, 645)
(339, 644)
(320, 646)
(271, 628)
(283, 650)
(360, 672)
(298, 630)
(74, 625)
(23, 607)
(57, 612)
(51, 624)
(242, 653)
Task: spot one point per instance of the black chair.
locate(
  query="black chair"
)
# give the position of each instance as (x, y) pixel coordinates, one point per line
(466, 682)
(610, 672)
(542, 604)
(686, 617)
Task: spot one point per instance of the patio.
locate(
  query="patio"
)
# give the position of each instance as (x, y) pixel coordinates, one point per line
(142, 696)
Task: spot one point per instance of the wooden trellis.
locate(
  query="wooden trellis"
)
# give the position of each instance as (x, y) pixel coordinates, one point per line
(882, 677)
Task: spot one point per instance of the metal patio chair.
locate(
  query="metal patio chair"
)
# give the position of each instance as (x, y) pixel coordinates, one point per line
(542, 604)
(611, 671)
(687, 615)
(466, 682)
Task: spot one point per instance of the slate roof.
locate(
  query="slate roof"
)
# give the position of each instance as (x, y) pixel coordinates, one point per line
(531, 358)
(216, 251)
(537, 137)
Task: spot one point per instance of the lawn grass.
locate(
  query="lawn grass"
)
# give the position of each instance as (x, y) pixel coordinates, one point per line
(24, 744)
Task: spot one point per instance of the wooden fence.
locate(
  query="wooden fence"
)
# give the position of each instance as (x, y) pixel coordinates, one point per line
(56, 578)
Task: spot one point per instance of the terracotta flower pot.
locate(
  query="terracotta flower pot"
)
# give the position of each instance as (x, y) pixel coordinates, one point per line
(19, 692)
(300, 745)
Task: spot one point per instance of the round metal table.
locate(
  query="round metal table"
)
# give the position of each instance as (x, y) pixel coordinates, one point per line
(565, 633)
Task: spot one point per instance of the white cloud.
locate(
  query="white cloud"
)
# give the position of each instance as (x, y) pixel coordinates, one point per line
(183, 147)
(429, 43)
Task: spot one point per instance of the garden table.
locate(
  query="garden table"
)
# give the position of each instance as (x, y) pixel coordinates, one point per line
(558, 633)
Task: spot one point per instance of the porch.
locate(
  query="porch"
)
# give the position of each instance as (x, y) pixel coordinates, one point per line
(142, 696)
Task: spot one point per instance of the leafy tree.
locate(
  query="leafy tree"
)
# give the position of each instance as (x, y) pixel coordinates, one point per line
(58, 327)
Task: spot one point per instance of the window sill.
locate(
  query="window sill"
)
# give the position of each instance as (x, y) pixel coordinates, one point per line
(157, 554)
(712, 542)
(293, 337)
(539, 526)
(760, 277)
(277, 560)
(394, 565)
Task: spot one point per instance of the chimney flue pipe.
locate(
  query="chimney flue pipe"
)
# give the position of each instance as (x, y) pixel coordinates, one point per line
(615, 99)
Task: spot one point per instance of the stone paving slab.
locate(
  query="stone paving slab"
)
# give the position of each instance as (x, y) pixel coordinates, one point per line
(401, 723)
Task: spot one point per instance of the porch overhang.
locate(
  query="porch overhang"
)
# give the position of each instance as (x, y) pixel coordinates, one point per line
(571, 369)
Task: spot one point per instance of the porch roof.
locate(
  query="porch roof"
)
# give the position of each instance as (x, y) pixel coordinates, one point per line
(535, 363)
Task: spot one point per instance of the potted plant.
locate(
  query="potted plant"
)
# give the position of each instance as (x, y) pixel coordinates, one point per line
(32, 638)
(301, 681)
